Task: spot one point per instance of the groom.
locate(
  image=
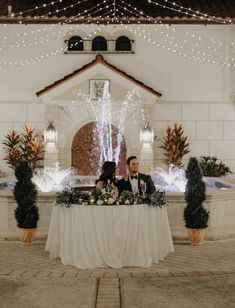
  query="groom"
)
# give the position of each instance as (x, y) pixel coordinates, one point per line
(134, 180)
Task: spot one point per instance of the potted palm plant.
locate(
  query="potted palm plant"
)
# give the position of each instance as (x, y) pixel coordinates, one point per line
(25, 194)
(211, 167)
(195, 215)
(175, 145)
(26, 145)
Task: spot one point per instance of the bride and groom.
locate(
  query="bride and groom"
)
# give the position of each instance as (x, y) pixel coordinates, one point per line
(133, 181)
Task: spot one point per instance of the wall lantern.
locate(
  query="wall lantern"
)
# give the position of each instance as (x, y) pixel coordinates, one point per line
(146, 134)
(50, 133)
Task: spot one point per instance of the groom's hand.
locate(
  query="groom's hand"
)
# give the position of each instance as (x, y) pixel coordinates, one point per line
(126, 177)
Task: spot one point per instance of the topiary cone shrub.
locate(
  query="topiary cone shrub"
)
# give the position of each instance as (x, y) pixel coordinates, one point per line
(195, 215)
(25, 193)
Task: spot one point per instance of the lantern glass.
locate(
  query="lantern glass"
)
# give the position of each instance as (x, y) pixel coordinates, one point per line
(146, 135)
(50, 133)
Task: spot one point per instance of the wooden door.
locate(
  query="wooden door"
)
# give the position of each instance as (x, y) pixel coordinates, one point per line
(86, 150)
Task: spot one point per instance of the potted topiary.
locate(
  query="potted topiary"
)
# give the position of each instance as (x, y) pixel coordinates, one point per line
(25, 193)
(195, 215)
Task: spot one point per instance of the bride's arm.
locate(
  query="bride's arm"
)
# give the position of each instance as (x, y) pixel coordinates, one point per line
(100, 184)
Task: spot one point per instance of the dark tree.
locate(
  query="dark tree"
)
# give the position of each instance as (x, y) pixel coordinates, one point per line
(25, 193)
(195, 215)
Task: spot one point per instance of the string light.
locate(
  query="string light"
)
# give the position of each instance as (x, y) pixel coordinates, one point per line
(174, 6)
(149, 18)
(169, 40)
(197, 13)
(41, 40)
(220, 48)
(189, 13)
(37, 59)
(44, 6)
(178, 49)
(173, 29)
(46, 28)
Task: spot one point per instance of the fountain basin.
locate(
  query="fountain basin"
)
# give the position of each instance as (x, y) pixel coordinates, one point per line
(220, 203)
(8, 227)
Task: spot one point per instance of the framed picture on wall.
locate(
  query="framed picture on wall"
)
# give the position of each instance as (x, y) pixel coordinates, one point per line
(96, 87)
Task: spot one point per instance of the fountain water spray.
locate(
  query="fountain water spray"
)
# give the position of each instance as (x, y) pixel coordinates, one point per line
(108, 115)
(52, 178)
(172, 180)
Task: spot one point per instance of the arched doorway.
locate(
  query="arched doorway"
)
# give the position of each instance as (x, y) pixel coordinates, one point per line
(85, 151)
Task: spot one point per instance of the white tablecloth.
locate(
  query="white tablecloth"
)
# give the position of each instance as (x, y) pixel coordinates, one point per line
(109, 236)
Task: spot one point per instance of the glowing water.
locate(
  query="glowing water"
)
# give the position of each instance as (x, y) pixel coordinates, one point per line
(52, 178)
(172, 180)
(108, 113)
(43, 182)
(57, 174)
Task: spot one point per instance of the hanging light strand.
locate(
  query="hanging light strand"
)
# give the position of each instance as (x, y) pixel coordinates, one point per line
(38, 59)
(36, 8)
(197, 13)
(46, 28)
(188, 13)
(224, 47)
(42, 40)
(177, 49)
(173, 29)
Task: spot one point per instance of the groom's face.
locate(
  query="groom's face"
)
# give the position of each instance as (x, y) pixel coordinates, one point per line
(134, 166)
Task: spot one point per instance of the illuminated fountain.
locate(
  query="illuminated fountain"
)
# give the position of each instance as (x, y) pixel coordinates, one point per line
(172, 180)
(43, 182)
(52, 178)
(107, 114)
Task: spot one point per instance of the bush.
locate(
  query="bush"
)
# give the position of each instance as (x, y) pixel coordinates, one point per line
(210, 167)
(25, 193)
(26, 145)
(175, 145)
(195, 215)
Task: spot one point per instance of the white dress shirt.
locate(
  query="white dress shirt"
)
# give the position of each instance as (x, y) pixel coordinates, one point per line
(134, 184)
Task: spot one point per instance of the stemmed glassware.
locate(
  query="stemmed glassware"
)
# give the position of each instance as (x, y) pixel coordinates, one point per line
(143, 188)
(135, 195)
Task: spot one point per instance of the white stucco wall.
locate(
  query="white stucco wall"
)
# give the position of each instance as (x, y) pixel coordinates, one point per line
(196, 94)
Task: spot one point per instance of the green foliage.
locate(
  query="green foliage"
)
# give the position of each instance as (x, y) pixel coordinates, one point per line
(127, 196)
(25, 193)
(71, 196)
(158, 198)
(195, 215)
(175, 145)
(96, 193)
(211, 167)
(26, 145)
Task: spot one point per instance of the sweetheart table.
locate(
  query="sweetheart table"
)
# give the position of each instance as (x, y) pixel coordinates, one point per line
(109, 236)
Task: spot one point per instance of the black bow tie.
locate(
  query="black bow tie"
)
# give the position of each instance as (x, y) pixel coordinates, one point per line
(134, 177)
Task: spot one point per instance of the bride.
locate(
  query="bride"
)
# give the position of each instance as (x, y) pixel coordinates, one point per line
(107, 180)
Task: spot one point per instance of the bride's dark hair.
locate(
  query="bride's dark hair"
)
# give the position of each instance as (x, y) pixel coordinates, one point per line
(108, 172)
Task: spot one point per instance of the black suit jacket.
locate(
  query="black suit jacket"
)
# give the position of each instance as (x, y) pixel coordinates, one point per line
(126, 185)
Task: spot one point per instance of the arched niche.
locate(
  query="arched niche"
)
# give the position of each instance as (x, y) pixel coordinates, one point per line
(86, 150)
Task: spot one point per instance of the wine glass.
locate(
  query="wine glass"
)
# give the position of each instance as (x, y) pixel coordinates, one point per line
(143, 188)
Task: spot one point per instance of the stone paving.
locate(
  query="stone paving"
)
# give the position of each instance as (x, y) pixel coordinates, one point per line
(212, 258)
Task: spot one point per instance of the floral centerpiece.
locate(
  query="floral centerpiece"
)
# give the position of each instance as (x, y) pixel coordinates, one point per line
(71, 196)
